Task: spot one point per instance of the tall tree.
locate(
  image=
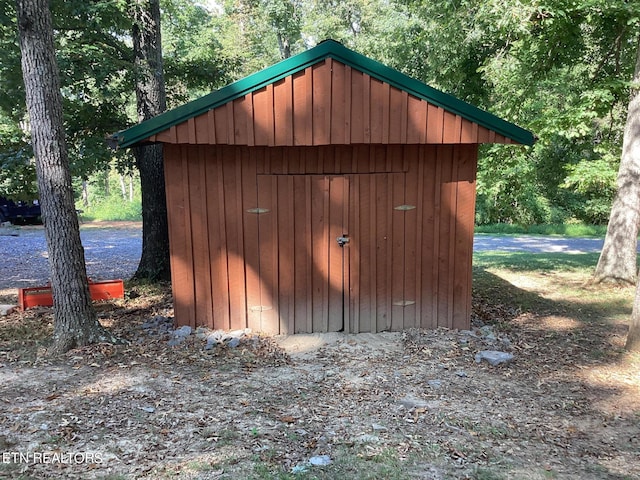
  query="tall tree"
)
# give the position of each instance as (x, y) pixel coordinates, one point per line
(151, 101)
(76, 323)
(618, 257)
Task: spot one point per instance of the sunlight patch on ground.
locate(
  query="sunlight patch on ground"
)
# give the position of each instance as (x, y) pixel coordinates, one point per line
(558, 323)
(624, 377)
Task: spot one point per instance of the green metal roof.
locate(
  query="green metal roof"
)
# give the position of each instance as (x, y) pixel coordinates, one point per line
(285, 68)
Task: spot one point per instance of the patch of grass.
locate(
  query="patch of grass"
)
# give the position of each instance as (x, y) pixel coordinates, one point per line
(113, 209)
(535, 262)
(549, 284)
(568, 230)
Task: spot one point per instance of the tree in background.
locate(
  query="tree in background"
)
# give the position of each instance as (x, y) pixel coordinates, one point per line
(151, 101)
(76, 323)
(618, 257)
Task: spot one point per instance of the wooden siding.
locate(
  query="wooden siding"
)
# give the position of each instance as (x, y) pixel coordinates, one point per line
(327, 104)
(253, 235)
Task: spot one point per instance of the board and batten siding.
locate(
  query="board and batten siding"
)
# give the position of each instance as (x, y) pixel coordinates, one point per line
(253, 236)
(327, 104)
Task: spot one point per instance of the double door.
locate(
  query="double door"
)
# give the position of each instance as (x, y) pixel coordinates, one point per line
(331, 254)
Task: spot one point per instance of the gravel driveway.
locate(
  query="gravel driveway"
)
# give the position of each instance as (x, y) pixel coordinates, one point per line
(113, 250)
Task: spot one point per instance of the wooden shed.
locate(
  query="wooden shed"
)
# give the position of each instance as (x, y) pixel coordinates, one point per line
(325, 193)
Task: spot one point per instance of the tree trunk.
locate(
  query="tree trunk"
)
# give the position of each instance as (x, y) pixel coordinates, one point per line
(617, 261)
(151, 101)
(633, 337)
(123, 186)
(75, 319)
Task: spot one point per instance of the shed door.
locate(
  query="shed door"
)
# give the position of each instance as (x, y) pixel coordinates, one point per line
(308, 281)
(303, 271)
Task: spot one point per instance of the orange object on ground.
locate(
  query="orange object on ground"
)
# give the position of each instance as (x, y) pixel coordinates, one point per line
(43, 297)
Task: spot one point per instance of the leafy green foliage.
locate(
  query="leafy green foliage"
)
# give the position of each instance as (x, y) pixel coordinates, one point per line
(559, 68)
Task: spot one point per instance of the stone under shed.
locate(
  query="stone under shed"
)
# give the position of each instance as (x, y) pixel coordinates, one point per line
(327, 192)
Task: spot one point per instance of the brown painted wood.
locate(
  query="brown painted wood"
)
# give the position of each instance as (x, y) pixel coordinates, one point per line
(251, 238)
(397, 116)
(283, 111)
(303, 283)
(464, 236)
(396, 187)
(338, 111)
(199, 234)
(322, 103)
(221, 132)
(435, 124)
(417, 120)
(411, 261)
(181, 269)
(231, 167)
(286, 240)
(320, 249)
(358, 126)
(217, 238)
(302, 254)
(431, 238)
(378, 104)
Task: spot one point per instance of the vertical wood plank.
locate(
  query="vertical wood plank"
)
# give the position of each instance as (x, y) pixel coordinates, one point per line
(199, 233)
(366, 110)
(202, 129)
(221, 125)
(322, 103)
(268, 238)
(386, 111)
(412, 220)
(452, 128)
(364, 242)
(469, 133)
(191, 129)
(301, 107)
(231, 128)
(483, 135)
(347, 104)
(262, 111)
(182, 284)
(240, 119)
(396, 187)
(447, 190)
(417, 170)
(286, 240)
(357, 107)
(384, 260)
(397, 116)
(336, 227)
(252, 237)
(283, 111)
(309, 244)
(431, 236)
(352, 264)
(182, 132)
(211, 123)
(218, 238)
(320, 249)
(337, 114)
(301, 250)
(379, 105)
(233, 225)
(435, 123)
(464, 237)
(416, 120)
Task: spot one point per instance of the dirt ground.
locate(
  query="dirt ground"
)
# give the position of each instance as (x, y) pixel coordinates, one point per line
(411, 405)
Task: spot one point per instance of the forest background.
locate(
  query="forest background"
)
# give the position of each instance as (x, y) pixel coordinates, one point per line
(560, 68)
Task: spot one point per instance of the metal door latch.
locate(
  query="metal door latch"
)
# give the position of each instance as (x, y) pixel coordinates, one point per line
(342, 240)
